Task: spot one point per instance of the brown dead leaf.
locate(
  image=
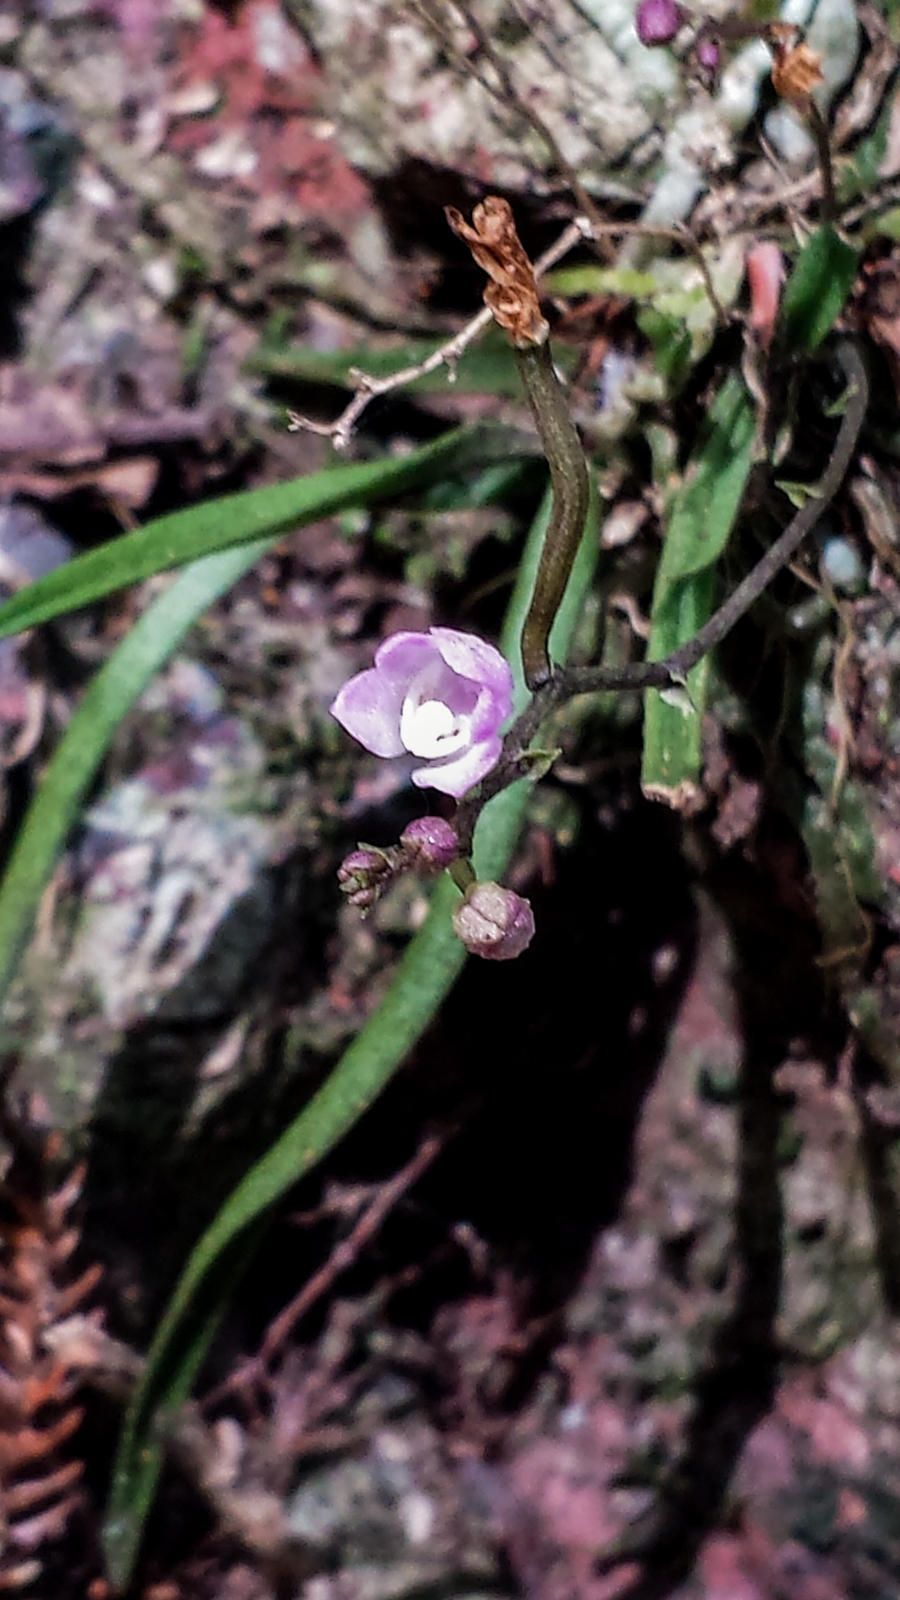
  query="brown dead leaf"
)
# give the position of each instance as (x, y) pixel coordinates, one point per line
(511, 295)
(797, 69)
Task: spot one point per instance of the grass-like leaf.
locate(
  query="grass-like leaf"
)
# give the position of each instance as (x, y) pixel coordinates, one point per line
(822, 278)
(702, 516)
(183, 536)
(428, 970)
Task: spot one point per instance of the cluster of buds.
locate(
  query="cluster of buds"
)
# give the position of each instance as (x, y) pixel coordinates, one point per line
(659, 21)
(442, 697)
(427, 846)
(492, 922)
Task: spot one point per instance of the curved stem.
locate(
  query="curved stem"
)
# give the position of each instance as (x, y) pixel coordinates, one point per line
(674, 668)
(571, 492)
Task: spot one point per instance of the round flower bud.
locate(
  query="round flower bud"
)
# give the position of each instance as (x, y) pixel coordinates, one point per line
(708, 55)
(494, 923)
(658, 21)
(429, 844)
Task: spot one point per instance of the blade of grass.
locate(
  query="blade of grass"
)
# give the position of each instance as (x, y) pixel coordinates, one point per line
(183, 536)
(426, 974)
(814, 297)
(111, 693)
(702, 516)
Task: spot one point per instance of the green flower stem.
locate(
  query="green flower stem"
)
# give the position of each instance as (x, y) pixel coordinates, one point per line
(571, 492)
(463, 873)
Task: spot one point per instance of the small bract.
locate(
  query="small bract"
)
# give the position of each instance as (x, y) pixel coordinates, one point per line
(441, 695)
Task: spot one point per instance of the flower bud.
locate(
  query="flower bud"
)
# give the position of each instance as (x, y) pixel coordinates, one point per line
(708, 55)
(429, 844)
(658, 21)
(494, 923)
(364, 873)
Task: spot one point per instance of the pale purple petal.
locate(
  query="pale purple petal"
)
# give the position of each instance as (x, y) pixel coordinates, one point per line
(403, 655)
(475, 659)
(368, 706)
(456, 776)
(488, 715)
(458, 693)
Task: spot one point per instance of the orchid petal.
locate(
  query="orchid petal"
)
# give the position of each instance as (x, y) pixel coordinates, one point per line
(369, 707)
(474, 658)
(458, 775)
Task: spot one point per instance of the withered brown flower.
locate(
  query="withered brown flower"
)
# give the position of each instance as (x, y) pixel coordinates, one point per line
(797, 69)
(511, 295)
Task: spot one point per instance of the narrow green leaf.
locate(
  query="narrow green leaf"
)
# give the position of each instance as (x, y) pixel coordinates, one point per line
(427, 973)
(702, 516)
(183, 536)
(822, 278)
(592, 279)
(671, 341)
(110, 694)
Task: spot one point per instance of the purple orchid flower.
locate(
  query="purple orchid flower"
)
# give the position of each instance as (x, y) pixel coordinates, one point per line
(441, 695)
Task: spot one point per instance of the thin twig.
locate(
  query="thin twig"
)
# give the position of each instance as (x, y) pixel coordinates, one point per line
(367, 388)
(580, 231)
(509, 97)
(341, 1259)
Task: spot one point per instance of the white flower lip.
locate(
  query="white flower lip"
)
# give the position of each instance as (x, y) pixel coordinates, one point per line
(429, 729)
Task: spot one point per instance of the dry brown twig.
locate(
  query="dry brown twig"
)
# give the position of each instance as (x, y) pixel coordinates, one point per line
(505, 91)
(588, 227)
(580, 231)
(368, 388)
(385, 1197)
